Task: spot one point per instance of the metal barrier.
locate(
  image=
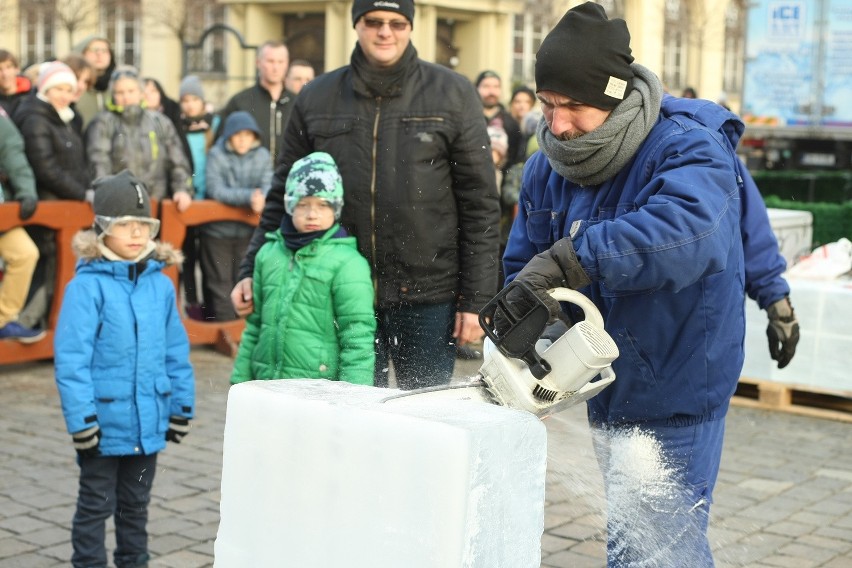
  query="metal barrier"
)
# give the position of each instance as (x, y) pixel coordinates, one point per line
(68, 217)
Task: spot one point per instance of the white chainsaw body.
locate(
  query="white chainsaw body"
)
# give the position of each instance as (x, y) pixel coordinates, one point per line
(576, 358)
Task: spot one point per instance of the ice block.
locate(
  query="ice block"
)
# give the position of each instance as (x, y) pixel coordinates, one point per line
(321, 473)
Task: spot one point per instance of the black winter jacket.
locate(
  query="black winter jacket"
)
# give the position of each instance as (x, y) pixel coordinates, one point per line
(55, 151)
(420, 193)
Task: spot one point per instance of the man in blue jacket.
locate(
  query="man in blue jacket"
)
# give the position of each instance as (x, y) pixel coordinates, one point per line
(639, 205)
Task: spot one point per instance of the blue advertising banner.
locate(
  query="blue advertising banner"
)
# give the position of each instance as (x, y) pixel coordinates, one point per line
(798, 69)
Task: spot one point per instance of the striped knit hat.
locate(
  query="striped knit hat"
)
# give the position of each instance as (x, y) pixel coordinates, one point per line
(54, 73)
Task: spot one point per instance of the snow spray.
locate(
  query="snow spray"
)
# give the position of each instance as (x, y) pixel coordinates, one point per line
(652, 516)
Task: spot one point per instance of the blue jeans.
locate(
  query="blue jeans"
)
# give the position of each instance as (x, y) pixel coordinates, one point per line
(118, 486)
(659, 484)
(418, 338)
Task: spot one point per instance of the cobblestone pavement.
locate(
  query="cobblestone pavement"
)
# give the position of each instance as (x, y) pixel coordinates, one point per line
(784, 496)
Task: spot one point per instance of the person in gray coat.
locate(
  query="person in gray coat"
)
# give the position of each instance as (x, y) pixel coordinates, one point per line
(127, 136)
(239, 173)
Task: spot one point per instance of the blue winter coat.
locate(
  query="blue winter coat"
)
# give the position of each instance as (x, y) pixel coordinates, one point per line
(661, 244)
(121, 353)
(231, 179)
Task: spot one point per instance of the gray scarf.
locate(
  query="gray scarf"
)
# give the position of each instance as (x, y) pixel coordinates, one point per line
(600, 154)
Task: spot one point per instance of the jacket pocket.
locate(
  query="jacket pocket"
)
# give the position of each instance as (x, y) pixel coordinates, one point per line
(424, 139)
(332, 127)
(632, 355)
(114, 403)
(163, 388)
(544, 227)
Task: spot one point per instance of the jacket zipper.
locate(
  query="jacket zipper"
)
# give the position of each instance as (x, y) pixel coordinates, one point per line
(273, 133)
(423, 119)
(373, 196)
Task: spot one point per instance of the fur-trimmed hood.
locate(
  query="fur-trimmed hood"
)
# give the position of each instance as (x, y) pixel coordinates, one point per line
(85, 247)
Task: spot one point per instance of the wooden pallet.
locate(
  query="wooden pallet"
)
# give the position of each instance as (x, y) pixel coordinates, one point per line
(795, 399)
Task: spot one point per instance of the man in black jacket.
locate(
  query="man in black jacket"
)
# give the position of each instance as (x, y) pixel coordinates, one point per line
(267, 100)
(420, 190)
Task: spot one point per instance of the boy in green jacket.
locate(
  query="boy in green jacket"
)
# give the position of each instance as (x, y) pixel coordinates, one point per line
(313, 295)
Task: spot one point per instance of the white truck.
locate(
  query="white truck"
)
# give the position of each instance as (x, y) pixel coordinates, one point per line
(797, 92)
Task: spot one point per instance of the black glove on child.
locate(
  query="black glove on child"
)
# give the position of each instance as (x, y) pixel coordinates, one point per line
(782, 331)
(87, 442)
(178, 428)
(556, 267)
(28, 207)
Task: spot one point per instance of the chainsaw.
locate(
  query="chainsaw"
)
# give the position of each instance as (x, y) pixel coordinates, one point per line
(524, 371)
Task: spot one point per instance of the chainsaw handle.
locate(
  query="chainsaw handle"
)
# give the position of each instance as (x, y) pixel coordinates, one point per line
(521, 329)
(593, 315)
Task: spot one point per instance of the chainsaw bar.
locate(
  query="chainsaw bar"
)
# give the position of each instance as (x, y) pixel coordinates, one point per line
(474, 389)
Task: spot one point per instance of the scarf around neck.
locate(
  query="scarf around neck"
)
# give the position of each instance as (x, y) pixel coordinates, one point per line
(201, 123)
(294, 240)
(382, 81)
(66, 114)
(110, 255)
(600, 154)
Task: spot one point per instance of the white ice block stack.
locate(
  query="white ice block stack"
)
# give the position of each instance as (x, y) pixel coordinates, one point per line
(794, 231)
(322, 474)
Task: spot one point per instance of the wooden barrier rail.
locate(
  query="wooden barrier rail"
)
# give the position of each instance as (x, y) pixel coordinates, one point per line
(68, 217)
(224, 336)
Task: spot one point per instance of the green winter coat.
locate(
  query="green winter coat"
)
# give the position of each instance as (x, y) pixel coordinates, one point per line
(16, 177)
(313, 313)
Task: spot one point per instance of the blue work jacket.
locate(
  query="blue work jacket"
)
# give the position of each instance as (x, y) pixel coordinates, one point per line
(661, 243)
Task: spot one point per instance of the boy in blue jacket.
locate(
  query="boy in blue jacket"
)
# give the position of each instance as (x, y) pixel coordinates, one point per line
(122, 370)
(239, 173)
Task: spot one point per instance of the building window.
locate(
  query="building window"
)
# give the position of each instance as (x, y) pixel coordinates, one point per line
(446, 51)
(528, 32)
(304, 34)
(210, 58)
(734, 47)
(37, 32)
(121, 24)
(675, 46)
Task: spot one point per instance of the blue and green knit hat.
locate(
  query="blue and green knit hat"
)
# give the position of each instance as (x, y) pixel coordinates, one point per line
(314, 175)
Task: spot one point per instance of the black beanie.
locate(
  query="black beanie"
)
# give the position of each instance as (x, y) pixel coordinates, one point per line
(487, 74)
(121, 195)
(586, 57)
(404, 7)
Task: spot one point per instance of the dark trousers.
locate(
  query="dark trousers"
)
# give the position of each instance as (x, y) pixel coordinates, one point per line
(220, 265)
(418, 338)
(117, 486)
(190, 259)
(40, 296)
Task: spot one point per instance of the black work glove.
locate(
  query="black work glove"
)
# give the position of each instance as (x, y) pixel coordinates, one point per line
(782, 331)
(178, 428)
(28, 207)
(557, 267)
(87, 442)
